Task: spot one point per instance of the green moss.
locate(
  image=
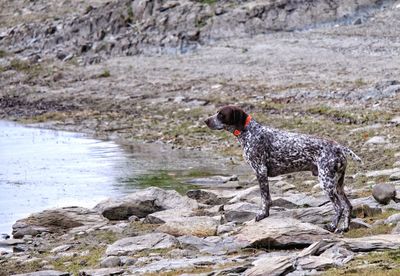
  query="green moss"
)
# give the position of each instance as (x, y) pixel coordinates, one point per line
(207, 2)
(74, 264)
(377, 264)
(375, 230)
(161, 179)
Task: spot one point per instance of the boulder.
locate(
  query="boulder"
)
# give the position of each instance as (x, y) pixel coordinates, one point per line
(144, 202)
(384, 193)
(196, 226)
(133, 245)
(273, 232)
(110, 261)
(272, 266)
(57, 220)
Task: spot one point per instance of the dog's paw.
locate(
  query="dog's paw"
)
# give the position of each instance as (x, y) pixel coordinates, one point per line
(261, 216)
(341, 230)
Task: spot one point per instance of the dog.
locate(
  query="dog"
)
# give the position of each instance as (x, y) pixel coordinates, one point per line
(271, 152)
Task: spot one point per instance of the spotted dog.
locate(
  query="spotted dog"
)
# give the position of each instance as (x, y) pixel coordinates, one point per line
(272, 152)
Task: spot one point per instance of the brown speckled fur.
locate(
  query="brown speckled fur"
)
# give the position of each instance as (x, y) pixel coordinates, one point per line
(272, 152)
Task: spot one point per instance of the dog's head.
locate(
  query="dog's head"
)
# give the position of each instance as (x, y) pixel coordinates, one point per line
(230, 118)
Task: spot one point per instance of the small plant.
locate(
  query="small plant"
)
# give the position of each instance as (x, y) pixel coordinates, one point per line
(207, 2)
(105, 74)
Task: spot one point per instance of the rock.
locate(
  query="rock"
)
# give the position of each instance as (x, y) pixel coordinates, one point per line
(167, 215)
(314, 262)
(395, 120)
(61, 248)
(284, 186)
(133, 218)
(44, 273)
(218, 179)
(395, 176)
(386, 172)
(56, 220)
(316, 188)
(280, 233)
(101, 272)
(226, 228)
(11, 242)
(376, 140)
(240, 212)
(363, 211)
(111, 261)
(246, 194)
(206, 197)
(396, 229)
(163, 266)
(358, 223)
(372, 243)
(384, 193)
(144, 202)
(271, 266)
(315, 215)
(133, 245)
(196, 226)
(211, 245)
(393, 219)
(299, 200)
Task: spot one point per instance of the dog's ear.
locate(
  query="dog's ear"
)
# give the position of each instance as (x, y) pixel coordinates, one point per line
(239, 117)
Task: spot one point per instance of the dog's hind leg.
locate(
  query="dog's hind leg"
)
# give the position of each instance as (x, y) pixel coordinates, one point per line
(346, 203)
(329, 182)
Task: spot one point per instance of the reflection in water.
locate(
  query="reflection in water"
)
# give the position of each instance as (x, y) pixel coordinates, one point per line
(42, 169)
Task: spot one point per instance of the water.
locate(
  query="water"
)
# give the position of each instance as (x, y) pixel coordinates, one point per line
(41, 169)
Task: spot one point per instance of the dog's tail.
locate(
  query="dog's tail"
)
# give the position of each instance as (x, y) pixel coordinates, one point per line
(350, 153)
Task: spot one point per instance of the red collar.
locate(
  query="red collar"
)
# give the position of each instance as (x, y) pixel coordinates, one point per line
(237, 132)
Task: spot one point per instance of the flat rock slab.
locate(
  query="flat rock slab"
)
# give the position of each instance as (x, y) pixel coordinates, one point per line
(271, 266)
(143, 203)
(44, 273)
(280, 233)
(386, 172)
(195, 226)
(372, 243)
(163, 266)
(55, 220)
(132, 245)
(211, 245)
(167, 215)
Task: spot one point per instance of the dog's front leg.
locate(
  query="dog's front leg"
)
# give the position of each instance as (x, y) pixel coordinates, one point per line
(265, 196)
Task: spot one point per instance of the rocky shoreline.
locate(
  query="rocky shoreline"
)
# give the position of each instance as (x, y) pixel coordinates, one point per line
(151, 71)
(206, 232)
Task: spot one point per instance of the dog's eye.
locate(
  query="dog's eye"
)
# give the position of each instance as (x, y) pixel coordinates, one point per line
(220, 116)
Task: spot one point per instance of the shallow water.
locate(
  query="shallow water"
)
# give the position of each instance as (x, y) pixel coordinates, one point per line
(41, 168)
